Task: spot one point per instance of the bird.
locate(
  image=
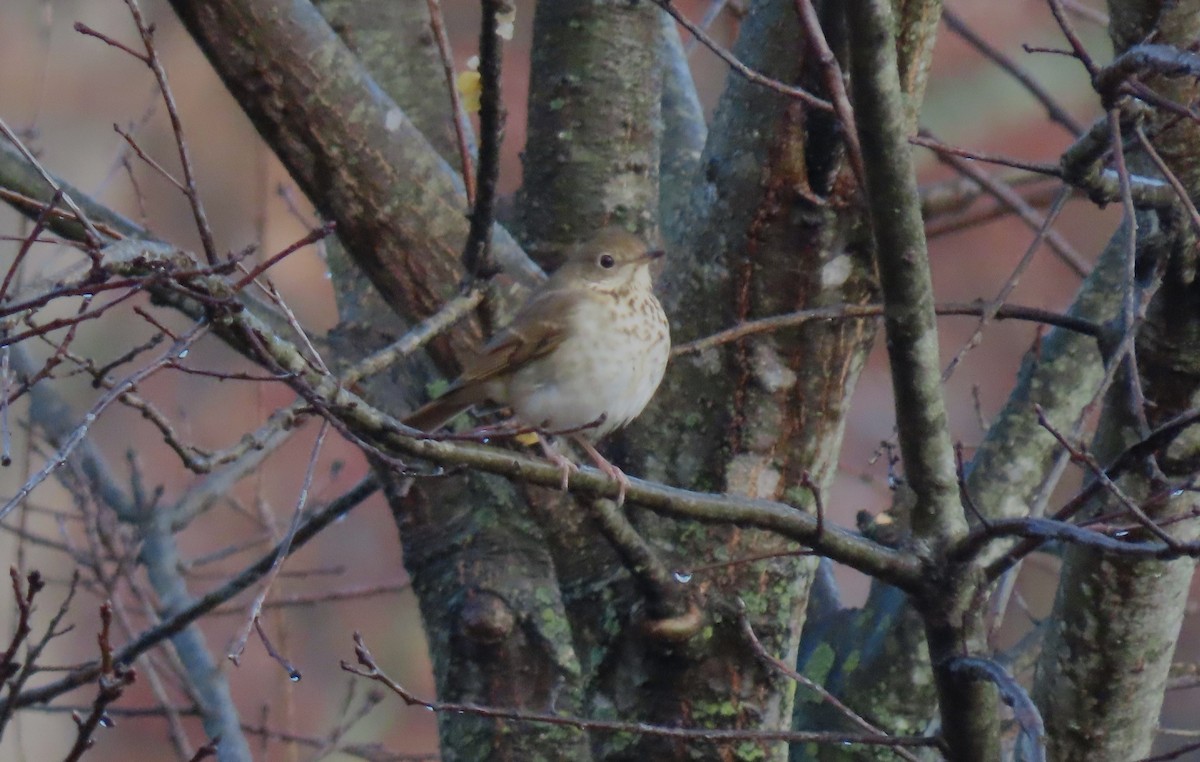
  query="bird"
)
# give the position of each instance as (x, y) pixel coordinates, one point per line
(581, 358)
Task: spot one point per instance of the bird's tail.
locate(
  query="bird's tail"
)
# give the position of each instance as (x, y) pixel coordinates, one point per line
(437, 413)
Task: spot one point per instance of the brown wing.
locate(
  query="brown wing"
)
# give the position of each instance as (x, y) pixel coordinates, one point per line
(537, 329)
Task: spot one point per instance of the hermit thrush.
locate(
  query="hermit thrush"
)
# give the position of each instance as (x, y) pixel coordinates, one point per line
(582, 357)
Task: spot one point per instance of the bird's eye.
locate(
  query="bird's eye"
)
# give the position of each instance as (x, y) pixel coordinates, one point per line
(606, 261)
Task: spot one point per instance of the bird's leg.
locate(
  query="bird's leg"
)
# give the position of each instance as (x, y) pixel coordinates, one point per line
(608, 468)
(565, 466)
(506, 428)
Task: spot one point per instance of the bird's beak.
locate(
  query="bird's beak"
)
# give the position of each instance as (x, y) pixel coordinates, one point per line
(654, 254)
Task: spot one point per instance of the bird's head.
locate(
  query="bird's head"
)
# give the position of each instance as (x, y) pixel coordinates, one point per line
(611, 258)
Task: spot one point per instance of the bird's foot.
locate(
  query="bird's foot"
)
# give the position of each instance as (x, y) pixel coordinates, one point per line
(566, 466)
(608, 469)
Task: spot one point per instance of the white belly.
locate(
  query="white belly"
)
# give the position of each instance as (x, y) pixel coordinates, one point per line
(609, 367)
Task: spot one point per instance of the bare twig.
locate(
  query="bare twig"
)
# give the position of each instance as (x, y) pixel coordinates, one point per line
(1176, 184)
(1078, 455)
(313, 236)
(239, 644)
(1080, 52)
(292, 673)
(1010, 283)
(835, 85)
(1009, 197)
(39, 225)
(462, 125)
(1056, 112)
(860, 311)
(160, 74)
(780, 666)
(209, 749)
(967, 218)
(94, 239)
(1042, 168)
(72, 441)
(1134, 398)
(667, 598)
(309, 528)
(154, 164)
(1028, 718)
(24, 596)
(477, 260)
(818, 505)
(87, 31)
(371, 671)
(333, 596)
(114, 679)
(739, 67)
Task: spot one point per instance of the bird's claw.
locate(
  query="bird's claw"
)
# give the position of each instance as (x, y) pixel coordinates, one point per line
(608, 469)
(615, 473)
(565, 467)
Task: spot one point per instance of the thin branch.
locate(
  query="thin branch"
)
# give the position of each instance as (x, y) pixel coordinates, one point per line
(418, 336)
(1155, 441)
(369, 752)
(94, 239)
(1026, 713)
(477, 260)
(462, 124)
(313, 236)
(185, 159)
(782, 667)
(209, 749)
(310, 527)
(1080, 52)
(1133, 396)
(667, 598)
(114, 679)
(926, 141)
(1166, 756)
(1039, 531)
(1010, 198)
(1078, 455)
(333, 596)
(739, 67)
(1056, 112)
(371, 671)
(72, 441)
(87, 31)
(24, 596)
(818, 504)
(1176, 184)
(284, 550)
(835, 85)
(292, 673)
(39, 224)
(34, 651)
(149, 160)
(860, 311)
(993, 306)
(950, 205)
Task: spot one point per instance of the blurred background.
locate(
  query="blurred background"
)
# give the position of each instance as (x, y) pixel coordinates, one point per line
(64, 91)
